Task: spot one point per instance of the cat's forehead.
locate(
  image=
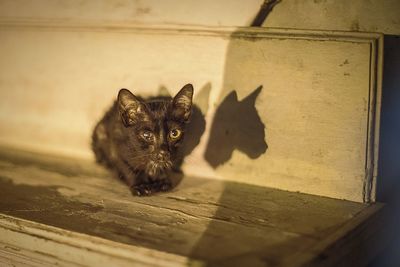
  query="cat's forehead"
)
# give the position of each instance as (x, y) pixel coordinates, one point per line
(160, 113)
(158, 108)
(158, 120)
(156, 104)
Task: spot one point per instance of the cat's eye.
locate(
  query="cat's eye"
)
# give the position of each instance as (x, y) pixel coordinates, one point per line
(147, 135)
(175, 134)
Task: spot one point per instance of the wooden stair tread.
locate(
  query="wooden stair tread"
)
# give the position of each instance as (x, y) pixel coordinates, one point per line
(207, 220)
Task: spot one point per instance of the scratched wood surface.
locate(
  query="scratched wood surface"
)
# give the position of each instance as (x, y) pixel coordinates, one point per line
(205, 219)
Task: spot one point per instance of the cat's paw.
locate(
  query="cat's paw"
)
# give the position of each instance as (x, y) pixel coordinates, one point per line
(147, 189)
(142, 190)
(162, 185)
(165, 186)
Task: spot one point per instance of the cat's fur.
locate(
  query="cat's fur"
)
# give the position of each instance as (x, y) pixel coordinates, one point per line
(137, 138)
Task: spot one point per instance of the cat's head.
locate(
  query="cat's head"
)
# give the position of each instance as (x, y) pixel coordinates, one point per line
(155, 129)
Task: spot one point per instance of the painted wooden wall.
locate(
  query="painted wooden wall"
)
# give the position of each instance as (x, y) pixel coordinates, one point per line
(177, 12)
(282, 110)
(341, 15)
(293, 110)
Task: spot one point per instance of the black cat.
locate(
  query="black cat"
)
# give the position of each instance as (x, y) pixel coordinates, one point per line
(139, 138)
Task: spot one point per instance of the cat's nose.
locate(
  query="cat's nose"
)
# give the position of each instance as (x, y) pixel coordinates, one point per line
(162, 155)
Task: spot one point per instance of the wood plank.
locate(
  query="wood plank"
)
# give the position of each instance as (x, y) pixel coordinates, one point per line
(33, 244)
(358, 242)
(204, 219)
(355, 243)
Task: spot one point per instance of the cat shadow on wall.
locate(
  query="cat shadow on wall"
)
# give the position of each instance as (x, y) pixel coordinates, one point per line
(236, 125)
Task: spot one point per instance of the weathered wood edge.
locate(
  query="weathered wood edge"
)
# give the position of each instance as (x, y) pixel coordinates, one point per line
(354, 244)
(46, 244)
(377, 109)
(374, 106)
(129, 27)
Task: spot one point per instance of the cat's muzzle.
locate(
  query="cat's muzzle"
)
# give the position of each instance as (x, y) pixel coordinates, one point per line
(159, 165)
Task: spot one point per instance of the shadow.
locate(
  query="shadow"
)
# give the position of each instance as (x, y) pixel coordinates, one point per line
(388, 182)
(236, 125)
(255, 226)
(389, 150)
(264, 11)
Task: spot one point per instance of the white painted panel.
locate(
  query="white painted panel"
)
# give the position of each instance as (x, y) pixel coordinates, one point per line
(56, 82)
(178, 12)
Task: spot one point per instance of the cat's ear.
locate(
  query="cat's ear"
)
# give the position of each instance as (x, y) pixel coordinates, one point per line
(182, 103)
(130, 108)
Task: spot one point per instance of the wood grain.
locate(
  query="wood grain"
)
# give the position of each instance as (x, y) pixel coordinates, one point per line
(201, 219)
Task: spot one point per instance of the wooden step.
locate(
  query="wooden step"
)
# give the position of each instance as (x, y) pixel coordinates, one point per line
(65, 211)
